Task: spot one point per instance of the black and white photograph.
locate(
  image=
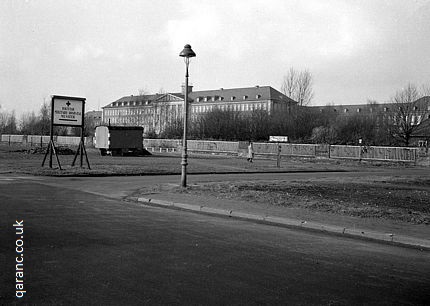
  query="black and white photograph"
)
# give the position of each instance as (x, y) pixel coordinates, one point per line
(209, 152)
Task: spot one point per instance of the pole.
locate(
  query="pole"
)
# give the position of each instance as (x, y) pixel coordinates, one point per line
(82, 133)
(51, 132)
(184, 162)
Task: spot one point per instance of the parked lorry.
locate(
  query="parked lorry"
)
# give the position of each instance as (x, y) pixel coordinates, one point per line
(120, 140)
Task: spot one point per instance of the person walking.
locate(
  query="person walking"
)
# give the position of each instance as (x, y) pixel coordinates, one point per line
(250, 155)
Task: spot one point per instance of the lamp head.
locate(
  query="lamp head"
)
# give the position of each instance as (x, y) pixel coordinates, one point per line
(187, 52)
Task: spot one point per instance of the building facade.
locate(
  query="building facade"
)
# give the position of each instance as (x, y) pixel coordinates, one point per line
(415, 113)
(155, 112)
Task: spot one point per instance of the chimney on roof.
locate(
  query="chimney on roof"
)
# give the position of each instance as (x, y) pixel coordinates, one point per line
(190, 88)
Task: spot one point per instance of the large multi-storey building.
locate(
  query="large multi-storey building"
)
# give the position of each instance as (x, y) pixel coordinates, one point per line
(415, 112)
(155, 112)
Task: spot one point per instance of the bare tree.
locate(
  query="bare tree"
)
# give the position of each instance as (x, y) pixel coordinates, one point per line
(143, 91)
(45, 119)
(406, 114)
(8, 122)
(162, 91)
(28, 123)
(425, 90)
(298, 86)
(305, 92)
(289, 83)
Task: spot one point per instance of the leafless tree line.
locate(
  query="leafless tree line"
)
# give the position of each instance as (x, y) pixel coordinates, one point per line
(31, 123)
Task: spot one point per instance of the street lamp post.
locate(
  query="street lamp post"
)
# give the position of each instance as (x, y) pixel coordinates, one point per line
(187, 53)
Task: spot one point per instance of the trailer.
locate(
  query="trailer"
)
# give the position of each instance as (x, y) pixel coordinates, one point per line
(120, 140)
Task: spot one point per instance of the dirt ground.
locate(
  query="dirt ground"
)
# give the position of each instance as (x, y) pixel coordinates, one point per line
(405, 199)
(392, 197)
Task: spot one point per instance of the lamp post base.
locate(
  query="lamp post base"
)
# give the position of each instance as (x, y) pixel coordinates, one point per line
(184, 164)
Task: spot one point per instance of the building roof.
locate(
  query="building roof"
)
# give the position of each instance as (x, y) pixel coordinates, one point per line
(251, 93)
(422, 104)
(139, 98)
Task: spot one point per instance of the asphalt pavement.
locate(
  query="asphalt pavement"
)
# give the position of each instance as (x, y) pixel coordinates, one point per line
(83, 247)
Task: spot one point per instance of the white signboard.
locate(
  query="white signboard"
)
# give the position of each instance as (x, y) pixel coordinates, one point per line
(67, 110)
(278, 138)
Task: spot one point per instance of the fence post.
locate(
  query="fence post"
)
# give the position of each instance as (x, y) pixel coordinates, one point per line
(9, 140)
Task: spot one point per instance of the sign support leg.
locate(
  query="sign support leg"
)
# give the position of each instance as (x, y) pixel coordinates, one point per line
(81, 150)
(56, 155)
(86, 157)
(82, 153)
(76, 154)
(49, 150)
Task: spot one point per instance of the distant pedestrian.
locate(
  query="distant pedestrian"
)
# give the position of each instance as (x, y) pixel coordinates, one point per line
(250, 155)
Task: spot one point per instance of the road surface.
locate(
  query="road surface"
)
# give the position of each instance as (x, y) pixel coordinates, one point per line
(83, 248)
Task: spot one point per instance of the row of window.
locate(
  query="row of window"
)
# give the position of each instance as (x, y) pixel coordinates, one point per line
(219, 98)
(139, 111)
(195, 108)
(386, 109)
(414, 119)
(127, 111)
(130, 103)
(232, 107)
(136, 121)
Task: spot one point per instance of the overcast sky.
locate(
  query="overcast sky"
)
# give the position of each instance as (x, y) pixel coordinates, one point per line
(103, 50)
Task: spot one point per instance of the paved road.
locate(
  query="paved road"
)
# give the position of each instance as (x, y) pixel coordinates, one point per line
(85, 249)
